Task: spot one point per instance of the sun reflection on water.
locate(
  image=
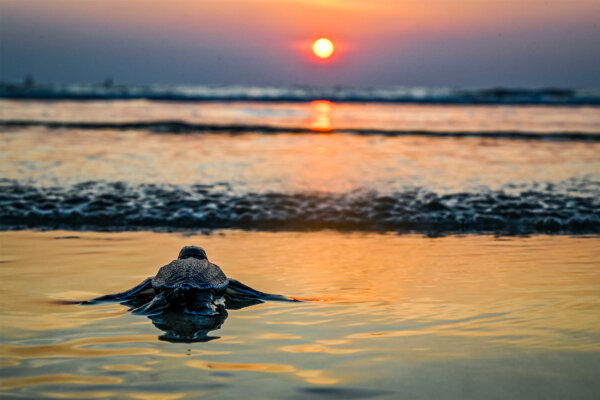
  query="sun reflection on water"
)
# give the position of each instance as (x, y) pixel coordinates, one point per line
(320, 115)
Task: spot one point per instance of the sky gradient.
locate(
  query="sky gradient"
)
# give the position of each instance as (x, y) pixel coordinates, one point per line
(458, 43)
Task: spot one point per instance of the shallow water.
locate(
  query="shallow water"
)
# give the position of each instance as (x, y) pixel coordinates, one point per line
(301, 166)
(316, 115)
(285, 163)
(389, 316)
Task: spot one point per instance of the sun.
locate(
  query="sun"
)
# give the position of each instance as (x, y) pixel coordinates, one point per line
(323, 48)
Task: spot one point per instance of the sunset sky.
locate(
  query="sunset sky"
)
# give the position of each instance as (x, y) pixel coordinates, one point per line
(469, 43)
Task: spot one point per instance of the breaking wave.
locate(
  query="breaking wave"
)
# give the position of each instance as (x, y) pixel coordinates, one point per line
(110, 91)
(121, 206)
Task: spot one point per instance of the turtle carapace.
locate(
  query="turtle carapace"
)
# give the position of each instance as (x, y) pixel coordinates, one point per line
(190, 284)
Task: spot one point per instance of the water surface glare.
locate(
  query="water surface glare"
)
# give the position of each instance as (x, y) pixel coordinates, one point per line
(292, 163)
(389, 316)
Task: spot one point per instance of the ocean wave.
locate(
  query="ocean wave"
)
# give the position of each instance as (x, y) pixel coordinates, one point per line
(109, 91)
(121, 206)
(182, 127)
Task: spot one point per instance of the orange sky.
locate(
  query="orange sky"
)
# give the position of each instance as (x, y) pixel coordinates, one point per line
(297, 18)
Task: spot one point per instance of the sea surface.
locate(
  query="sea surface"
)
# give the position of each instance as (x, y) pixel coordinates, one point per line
(445, 243)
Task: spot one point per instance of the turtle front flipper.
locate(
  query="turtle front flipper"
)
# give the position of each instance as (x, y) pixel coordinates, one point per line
(240, 293)
(141, 289)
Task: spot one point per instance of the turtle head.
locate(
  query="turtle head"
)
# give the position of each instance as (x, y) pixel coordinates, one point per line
(194, 252)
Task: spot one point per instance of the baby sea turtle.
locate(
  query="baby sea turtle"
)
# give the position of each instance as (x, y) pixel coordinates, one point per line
(190, 284)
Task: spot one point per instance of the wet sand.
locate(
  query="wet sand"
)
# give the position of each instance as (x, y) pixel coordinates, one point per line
(390, 316)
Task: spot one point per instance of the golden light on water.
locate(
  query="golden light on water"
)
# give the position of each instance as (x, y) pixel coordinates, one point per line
(387, 296)
(410, 279)
(323, 48)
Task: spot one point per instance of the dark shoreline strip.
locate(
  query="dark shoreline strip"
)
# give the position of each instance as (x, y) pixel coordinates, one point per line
(180, 127)
(117, 206)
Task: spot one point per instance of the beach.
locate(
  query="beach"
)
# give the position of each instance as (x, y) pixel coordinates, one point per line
(299, 200)
(438, 250)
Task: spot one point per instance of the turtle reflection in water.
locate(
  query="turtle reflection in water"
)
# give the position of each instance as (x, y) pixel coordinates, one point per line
(189, 297)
